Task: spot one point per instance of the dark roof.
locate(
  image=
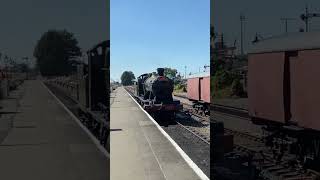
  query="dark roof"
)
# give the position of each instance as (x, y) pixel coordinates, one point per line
(288, 42)
(102, 44)
(197, 75)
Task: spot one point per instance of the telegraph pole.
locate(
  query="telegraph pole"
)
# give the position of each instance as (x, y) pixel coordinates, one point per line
(307, 19)
(185, 72)
(286, 22)
(242, 19)
(306, 16)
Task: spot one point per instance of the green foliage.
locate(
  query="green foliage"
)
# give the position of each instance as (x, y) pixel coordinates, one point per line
(180, 88)
(127, 78)
(226, 84)
(55, 52)
(236, 87)
(171, 73)
(223, 78)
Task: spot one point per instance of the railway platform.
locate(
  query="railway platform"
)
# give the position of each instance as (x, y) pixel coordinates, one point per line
(40, 140)
(140, 150)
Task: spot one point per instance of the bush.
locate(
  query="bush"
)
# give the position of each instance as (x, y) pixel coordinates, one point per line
(180, 88)
(226, 84)
(237, 88)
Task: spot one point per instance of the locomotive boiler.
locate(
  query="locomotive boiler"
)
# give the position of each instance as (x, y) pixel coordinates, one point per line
(154, 93)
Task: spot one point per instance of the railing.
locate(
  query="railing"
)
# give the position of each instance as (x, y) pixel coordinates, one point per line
(70, 87)
(9, 82)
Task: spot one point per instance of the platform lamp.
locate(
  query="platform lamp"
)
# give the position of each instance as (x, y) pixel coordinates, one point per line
(27, 64)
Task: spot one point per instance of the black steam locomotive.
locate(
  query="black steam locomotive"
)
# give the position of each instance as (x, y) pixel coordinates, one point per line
(154, 93)
(93, 91)
(89, 89)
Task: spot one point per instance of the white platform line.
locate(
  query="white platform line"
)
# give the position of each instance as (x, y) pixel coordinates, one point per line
(92, 137)
(189, 161)
(154, 154)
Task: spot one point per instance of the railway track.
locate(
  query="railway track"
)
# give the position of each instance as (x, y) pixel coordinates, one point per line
(196, 127)
(190, 120)
(266, 163)
(264, 160)
(229, 110)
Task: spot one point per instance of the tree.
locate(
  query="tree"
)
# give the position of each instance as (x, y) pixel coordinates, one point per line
(127, 78)
(22, 67)
(171, 73)
(55, 52)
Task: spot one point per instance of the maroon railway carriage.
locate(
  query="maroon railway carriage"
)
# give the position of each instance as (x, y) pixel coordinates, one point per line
(198, 91)
(284, 88)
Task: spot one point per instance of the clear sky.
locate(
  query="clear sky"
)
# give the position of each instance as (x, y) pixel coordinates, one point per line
(24, 21)
(149, 34)
(263, 17)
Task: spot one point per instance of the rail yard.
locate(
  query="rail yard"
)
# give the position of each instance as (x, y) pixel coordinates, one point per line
(265, 103)
(273, 135)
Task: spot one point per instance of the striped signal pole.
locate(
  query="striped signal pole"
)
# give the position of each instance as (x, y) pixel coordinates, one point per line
(242, 20)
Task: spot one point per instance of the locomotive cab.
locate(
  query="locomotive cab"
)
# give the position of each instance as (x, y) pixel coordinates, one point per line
(140, 84)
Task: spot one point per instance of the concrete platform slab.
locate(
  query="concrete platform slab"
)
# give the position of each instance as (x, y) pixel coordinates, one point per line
(24, 124)
(139, 149)
(46, 143)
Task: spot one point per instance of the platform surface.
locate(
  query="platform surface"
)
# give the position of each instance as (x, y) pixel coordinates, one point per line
(139, 151)
(42, 141)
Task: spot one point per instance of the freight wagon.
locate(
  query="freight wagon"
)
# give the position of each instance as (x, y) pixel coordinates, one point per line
(283, 89)
(198, 91)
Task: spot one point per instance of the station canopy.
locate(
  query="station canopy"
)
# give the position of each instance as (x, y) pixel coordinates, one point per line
(201, 74)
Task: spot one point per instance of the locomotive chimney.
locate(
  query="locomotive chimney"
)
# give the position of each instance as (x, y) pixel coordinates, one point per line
(160, 71)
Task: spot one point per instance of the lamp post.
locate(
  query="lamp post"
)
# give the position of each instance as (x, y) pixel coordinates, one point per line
(27, 66)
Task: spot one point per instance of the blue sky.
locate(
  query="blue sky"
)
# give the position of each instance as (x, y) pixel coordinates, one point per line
(23, 23)
(263, 17)
(148, 34)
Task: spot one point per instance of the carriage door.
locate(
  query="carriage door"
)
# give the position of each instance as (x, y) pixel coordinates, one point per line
(288, 84)
(97, 81)
(200, 88)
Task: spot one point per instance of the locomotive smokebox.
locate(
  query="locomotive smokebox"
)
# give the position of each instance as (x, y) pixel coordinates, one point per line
(160, 71)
